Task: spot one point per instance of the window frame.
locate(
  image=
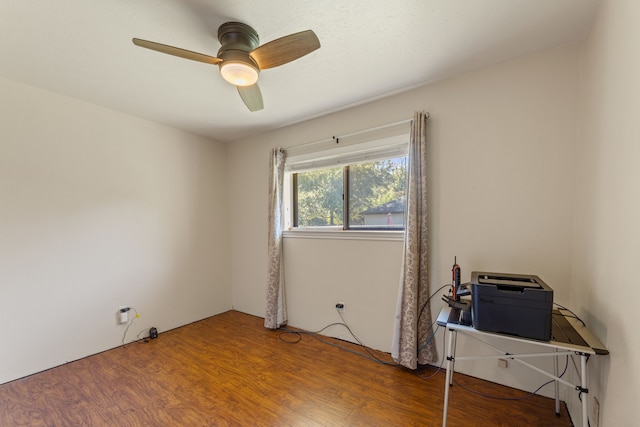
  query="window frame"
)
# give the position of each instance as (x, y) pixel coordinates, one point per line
(369, 150)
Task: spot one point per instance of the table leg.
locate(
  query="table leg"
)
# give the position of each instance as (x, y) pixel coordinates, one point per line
(453, 355)
(585, 390)
(556, 383)
(447, 382)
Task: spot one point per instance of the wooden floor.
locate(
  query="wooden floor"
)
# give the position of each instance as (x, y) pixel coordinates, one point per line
(229, 371)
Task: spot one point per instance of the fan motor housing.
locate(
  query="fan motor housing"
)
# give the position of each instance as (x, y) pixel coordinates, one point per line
(237, 36)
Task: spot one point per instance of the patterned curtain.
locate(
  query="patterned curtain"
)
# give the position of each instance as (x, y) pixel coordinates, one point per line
(413, 326)
(276, 312)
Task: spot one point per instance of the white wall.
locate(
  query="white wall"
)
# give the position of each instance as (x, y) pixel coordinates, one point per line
(97, 210)
(360, 273)
(501, 193)
(607, 239)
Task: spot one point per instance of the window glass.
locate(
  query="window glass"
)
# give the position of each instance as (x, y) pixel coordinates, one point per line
(373, 197)
(376, 194)
(319, 198)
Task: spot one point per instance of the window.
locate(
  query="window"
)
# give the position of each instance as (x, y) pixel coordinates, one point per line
(318, 198)
(360, 187)
(375, 194)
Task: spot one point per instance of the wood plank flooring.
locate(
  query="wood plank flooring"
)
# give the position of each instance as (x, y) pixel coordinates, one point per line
(228, 370)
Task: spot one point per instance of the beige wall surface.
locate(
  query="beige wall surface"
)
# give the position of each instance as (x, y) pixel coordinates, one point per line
(501, 193)
(97, 210)
(606, 246)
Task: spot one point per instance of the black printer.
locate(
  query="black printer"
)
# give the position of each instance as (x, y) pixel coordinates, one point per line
(514, 304)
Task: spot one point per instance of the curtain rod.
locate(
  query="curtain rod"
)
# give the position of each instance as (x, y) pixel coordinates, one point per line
(337, 138)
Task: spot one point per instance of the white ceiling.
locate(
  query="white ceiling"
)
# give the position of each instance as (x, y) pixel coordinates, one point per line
(83, 49)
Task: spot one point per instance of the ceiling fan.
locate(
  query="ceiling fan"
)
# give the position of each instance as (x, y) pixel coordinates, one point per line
(241, 58)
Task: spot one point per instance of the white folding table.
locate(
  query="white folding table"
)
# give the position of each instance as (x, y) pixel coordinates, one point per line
(569, 338)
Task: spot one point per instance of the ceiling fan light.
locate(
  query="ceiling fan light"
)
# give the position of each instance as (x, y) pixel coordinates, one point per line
(239, 73)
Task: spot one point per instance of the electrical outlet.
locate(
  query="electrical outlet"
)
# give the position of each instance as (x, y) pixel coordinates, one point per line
(123, 314)
(340, 306)
(595, 413)
(503, 363)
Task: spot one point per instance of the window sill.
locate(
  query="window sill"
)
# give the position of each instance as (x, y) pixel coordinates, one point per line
(340, 234)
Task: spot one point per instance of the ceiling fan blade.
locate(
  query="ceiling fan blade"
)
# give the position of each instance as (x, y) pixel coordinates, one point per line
(251, 96)
(285, 49)
(176, 51)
